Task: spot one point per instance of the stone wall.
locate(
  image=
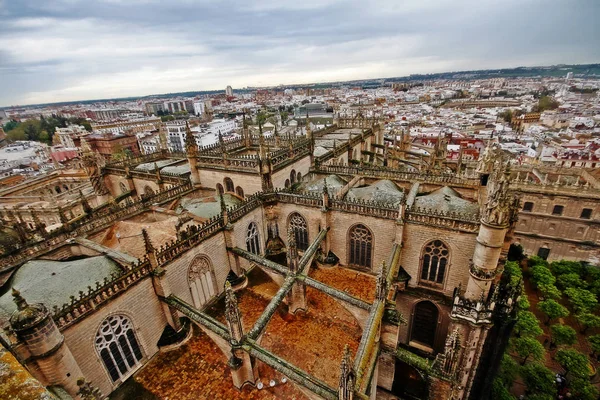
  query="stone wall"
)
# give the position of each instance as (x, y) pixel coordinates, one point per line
(141, 306)
(461, 246)
(279, 177)
(250, 182)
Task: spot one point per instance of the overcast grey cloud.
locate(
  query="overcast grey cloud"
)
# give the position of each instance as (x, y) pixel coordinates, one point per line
(61, 50)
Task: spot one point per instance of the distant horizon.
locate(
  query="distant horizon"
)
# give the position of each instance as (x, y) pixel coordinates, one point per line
(70, 50)
(303, 84)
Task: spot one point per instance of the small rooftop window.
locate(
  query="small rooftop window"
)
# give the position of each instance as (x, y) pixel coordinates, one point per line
(558, 210)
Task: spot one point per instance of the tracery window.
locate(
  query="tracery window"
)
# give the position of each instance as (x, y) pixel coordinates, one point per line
(298, 224)
(253, 239)
(229, 187)
(361, 246)
(118, 346)
(424, 326)
(201, 281)
(293, 177)
(435, 260)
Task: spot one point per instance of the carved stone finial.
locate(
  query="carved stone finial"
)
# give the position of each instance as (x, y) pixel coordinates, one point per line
(347, 376)
(19, 300)
(381, 288)
(191, 147)
(232, 314)
(147, 243)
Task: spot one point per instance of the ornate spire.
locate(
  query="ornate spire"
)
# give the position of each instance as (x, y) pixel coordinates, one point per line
(233, 315)
(147, 243)
(292, 251)
(446, 362)
(381, 288)
(347, 376)
(191, 147)
(84, 203)
(497, 206)
(19, 300)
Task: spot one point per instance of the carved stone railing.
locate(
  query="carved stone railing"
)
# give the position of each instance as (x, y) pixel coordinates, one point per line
(141, 159)
(86, 303)
(455, 221)
(393, 174)
(305, 198)
(189, 238)
(104, 217)
(365, 207)
(248, 205)
(475, 311)
(483, 274)
(241, 162)
(146, 175)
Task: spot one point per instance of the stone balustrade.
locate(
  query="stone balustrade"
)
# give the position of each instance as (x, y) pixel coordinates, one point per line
(86, 303)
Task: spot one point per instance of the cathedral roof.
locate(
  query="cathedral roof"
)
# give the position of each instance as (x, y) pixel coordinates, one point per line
(446, 199)
(334, 184)
(384, 191)
(150, 166)
(53, 282)
(208, 207)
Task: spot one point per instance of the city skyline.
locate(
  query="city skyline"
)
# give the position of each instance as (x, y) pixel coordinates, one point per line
(72, 50)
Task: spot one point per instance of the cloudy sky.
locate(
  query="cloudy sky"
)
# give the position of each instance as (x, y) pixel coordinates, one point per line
(61, 50)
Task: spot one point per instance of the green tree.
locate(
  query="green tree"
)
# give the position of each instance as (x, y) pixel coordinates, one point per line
(566, 267)
(527, 324)
(582, 389)
(571, 279)
(546, 103)
(16, 134)
(523, 303)
(10, 125)
(500, 391)
(512, 273)
(550, 291)
(506, 115)
(587, 320)
(552, 309)
(562, 334)
(536, 260)
(508, 370)
(581, 299)
(527, 347)
(573, 362)
(594, 342)
(539, 380)
(541, 275)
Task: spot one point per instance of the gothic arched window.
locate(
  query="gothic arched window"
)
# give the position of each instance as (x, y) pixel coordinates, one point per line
(253, 239)
(200, 279)
(229, 187)
(118, 346)
(434, 261)
(239, 191)
(424, 325)
(361, 246)
(220, 188)
(298, 224)
(293, 177)
(299, 177)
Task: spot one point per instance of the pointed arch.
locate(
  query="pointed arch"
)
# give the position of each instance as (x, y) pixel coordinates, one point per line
(360, 248)
(220, 188)
(229, 186)
(201, 280)
(424, 325)
(239, 191)
(298, 223)
(253, 239)
(118, 347)
(435, 258)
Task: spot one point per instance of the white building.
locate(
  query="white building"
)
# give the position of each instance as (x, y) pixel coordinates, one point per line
(199, 108)
(68, 135)
(229, 91)
(224, 127)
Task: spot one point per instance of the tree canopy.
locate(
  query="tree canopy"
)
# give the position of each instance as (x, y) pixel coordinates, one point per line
(527, 348)
(562, 334)
(552, 309)
(527, 324)
(573, 362)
